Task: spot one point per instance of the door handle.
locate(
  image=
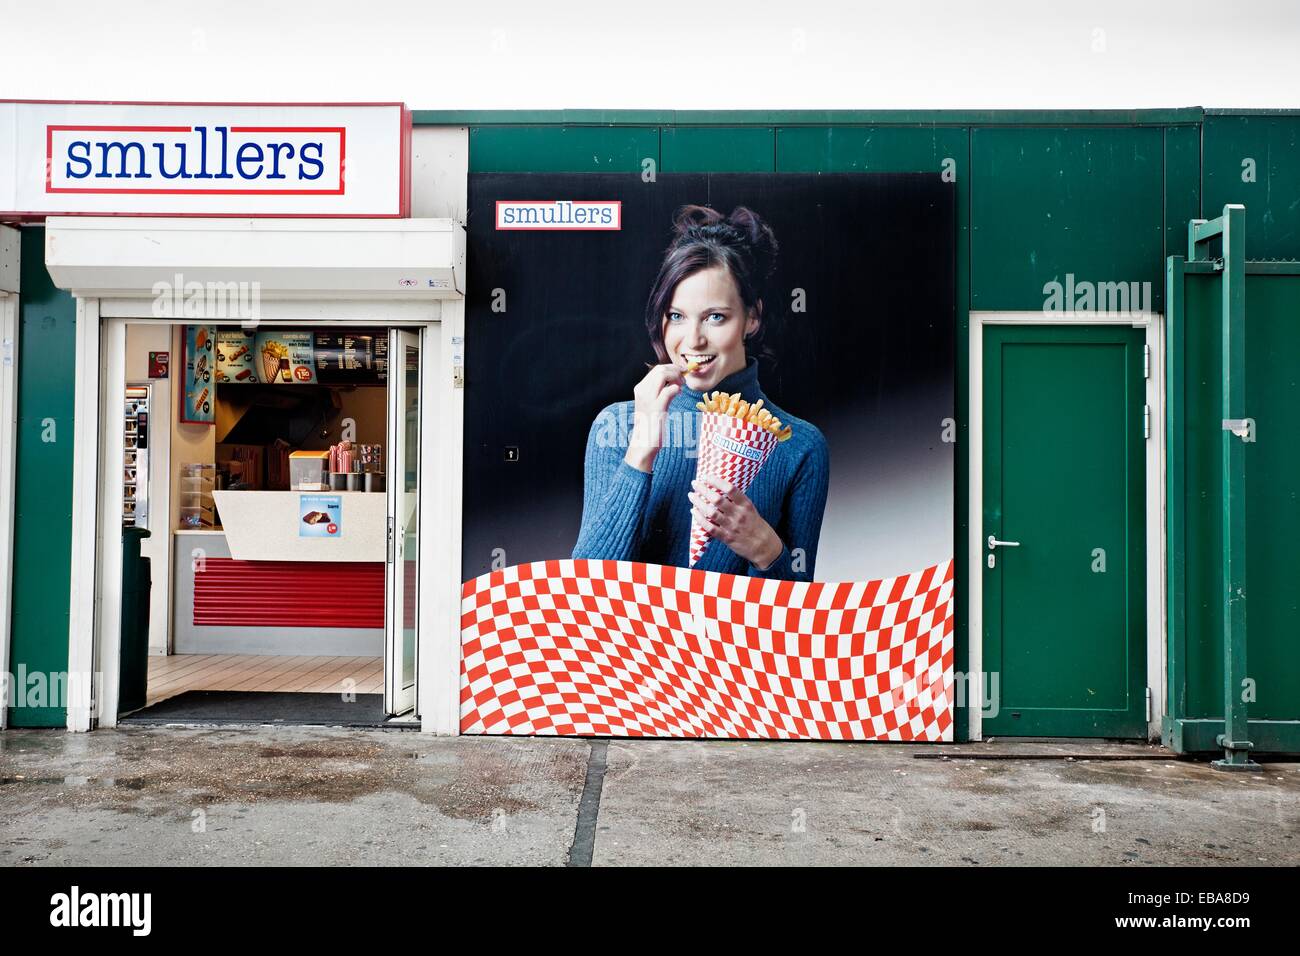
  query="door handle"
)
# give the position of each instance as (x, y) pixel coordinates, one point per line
(995, 543)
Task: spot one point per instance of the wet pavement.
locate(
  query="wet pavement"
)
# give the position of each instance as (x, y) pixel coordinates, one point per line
(195, 796)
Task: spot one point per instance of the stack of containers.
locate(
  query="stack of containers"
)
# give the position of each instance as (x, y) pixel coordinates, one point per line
(356, 467)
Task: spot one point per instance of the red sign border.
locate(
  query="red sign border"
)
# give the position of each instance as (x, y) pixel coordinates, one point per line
(496, 215)
(403, 184)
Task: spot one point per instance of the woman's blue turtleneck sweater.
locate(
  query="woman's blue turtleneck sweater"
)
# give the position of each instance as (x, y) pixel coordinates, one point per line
(628, 515)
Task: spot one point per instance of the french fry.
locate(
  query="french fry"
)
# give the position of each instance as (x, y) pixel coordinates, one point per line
(722, 403)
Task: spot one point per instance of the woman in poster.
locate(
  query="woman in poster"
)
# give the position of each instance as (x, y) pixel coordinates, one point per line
(705, 318)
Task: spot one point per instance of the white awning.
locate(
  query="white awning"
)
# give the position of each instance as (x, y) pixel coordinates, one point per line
(124, 256)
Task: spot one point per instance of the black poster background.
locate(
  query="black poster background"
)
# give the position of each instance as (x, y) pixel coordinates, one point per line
(870, 361)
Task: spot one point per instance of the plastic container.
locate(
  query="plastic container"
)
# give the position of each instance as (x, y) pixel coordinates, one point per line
(309, 471)
(197, 509)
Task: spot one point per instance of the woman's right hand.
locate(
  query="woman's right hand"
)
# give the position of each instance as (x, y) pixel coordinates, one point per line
(651, 397)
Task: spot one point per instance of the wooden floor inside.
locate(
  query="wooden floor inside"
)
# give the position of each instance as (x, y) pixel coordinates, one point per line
(177, 673)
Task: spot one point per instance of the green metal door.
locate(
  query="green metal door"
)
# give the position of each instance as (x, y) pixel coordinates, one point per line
(1063, 537)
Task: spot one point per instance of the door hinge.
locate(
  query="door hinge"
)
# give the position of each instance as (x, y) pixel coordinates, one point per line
(1146, 361)
(1149, 698)
(1146, 421)
(8, 350)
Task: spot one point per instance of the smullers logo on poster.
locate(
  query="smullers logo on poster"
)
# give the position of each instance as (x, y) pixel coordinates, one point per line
(737, 448)
(276, 160)
(559, 214)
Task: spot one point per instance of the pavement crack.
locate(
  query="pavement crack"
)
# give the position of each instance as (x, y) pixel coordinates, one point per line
(584, 833)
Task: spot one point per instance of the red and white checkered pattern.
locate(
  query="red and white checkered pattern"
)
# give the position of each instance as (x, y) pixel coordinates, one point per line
(716, 461)
(626, 649)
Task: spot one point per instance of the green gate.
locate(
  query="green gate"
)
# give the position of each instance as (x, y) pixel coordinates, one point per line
(1233, 497)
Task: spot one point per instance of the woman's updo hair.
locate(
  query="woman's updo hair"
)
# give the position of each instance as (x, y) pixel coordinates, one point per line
(703, 238)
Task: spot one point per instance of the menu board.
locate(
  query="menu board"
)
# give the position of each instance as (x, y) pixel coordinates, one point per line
(336, 357)
(284, 358)
(345, 357)
(197, 388)
(235, 358)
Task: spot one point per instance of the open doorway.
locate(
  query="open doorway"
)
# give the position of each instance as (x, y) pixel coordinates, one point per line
(270, 522)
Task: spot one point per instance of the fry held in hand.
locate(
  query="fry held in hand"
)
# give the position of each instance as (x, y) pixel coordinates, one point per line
(756, 414)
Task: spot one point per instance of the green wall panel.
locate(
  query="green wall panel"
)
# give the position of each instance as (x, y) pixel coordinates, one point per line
(1182, 186)
(561, 149)
(43, 499)
(1272, 498)
(1050, 202)
(1272, 200)
(703, 149)
(870, 149)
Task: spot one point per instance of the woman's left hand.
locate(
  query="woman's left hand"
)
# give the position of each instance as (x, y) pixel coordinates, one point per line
(728, 514)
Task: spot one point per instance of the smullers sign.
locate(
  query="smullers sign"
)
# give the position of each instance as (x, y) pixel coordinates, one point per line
(559, 214)
(176, 159)
(164, 158)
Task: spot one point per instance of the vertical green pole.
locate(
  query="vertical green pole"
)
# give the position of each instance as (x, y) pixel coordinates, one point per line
(1234, 740)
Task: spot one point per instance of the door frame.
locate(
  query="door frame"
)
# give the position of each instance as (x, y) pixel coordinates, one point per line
(8, 481)
(1154, 325)
(94, 619)
(396, 699)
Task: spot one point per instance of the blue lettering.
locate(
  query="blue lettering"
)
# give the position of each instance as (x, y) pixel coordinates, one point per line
(606, 215)
(276, 149)
(122, 150)
(162, 164)
(508, 216)
(83, 160)
(203, 153)
(255, 156)
(315, 161)
(225, 154)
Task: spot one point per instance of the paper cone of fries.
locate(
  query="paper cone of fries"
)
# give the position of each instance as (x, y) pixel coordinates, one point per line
(735, 440)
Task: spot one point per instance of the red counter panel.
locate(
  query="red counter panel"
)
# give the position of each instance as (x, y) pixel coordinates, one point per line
(230, 593)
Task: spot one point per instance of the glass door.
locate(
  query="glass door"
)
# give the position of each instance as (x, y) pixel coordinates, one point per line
(403, 521)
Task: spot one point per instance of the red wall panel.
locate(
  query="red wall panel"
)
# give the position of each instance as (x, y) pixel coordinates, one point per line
(230, 593)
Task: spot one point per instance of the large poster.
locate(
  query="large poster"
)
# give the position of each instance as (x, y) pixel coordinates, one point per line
(709, 449)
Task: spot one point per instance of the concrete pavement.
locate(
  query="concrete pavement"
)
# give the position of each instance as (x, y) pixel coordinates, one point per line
(195, 796)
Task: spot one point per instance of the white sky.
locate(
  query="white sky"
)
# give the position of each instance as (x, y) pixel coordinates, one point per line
(667, 54)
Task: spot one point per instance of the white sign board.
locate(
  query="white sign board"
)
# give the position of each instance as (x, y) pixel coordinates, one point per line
(209, 160)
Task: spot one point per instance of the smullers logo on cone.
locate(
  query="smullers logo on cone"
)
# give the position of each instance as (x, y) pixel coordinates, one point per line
(733, 449)
(736, 448)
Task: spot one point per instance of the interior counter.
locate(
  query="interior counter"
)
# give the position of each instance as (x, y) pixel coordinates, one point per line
(223, 605)
(269, 525)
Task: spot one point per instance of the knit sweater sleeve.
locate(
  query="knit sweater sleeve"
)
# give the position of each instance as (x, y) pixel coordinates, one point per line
(805, 507)
(614, 495)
